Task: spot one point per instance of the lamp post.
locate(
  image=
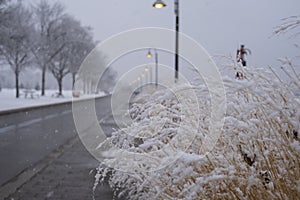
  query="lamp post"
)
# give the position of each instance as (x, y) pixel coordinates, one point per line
(149, 55)
(161, 4)
(151, 74)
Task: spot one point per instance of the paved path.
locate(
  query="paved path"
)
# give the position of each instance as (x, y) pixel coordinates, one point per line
(65, 173)
(27, 137)
(70, 176)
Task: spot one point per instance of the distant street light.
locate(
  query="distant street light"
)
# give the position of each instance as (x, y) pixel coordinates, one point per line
(161, 4)
(149, 55)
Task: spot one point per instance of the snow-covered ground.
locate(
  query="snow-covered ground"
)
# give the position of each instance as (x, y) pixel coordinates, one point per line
(8, 101)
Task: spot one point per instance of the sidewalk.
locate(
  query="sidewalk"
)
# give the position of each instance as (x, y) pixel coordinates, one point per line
(70, 176)
(66, 174)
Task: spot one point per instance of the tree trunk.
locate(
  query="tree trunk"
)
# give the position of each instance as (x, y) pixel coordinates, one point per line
(59, 81)
(43, 80)
(73, 80)
(17, 84)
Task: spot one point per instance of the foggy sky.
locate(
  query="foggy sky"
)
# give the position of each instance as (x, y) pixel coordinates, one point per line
(219, 25)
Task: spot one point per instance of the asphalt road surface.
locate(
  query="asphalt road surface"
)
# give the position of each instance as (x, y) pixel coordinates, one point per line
(45, 140)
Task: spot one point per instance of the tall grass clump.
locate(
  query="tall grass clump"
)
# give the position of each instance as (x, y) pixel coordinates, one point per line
(256, 157)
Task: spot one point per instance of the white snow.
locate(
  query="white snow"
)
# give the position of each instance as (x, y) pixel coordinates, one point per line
(296, 146)
(50, 194)
(8, 101)
(258, 136)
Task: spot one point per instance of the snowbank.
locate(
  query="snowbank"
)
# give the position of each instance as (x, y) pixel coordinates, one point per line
(8, 101)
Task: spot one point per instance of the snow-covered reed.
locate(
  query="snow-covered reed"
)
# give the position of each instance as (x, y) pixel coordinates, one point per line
(256, 157)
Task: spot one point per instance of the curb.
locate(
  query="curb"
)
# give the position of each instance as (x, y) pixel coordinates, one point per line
(24, 109)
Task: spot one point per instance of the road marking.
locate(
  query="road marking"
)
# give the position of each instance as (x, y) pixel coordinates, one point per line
(33, 121)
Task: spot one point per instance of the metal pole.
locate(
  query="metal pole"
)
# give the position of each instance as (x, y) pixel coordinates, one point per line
(156, 68)
(176, 6)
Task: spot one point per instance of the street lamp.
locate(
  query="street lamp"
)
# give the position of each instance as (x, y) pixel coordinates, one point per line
(149, 55)
(161, 4)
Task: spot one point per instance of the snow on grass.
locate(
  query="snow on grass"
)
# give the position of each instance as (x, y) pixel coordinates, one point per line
(8, 101)
(257, 155)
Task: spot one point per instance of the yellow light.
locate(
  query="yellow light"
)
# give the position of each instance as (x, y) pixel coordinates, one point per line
(159, 4)
(149, 55)
(146, 69)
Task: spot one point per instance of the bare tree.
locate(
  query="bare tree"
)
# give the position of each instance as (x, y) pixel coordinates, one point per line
(3, 8)
(77, 42)
(59, 67)
(79, 51)
(93, 66)
(46, 45)
(108, 80)
(80, 43)
(15, 39)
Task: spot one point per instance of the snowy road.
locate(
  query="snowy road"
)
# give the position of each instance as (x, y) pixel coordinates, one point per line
(29, 136)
